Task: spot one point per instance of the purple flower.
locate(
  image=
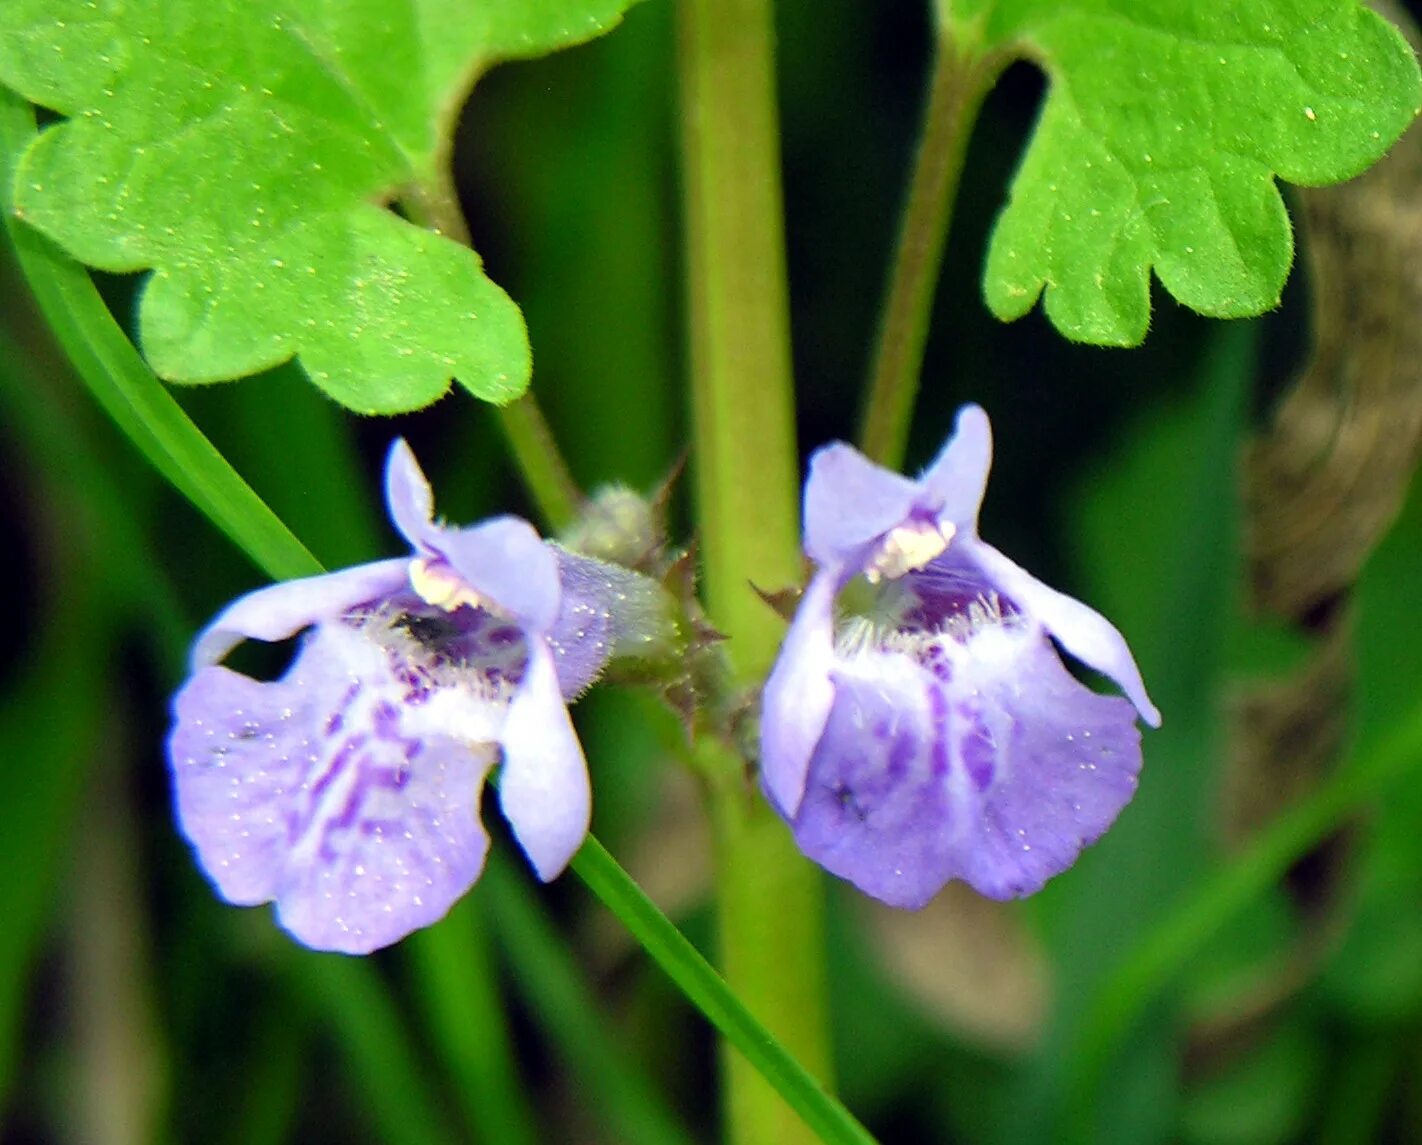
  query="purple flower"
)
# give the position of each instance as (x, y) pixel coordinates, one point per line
(348, 790)
(939, 736)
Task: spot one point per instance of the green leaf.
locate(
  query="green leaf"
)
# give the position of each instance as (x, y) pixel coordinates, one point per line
(1165, 126)
(709, 993)
(245, 152)
(1147, 552)
(1168, 948)
(453, 969)
(391, 1079)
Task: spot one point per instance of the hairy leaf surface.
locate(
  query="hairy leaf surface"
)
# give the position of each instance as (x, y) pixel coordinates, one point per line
(1165, 126)
(246, 151)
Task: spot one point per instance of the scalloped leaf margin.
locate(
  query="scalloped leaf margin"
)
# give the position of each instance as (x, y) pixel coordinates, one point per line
(1165, 126)
(246, 153)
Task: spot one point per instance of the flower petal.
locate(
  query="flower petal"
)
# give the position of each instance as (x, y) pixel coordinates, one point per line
(878, 808)
(1048, 763)
(310, 791)
(407, 493)
(957, 479)
(415, 852)
(282, 610)
(849, 503)
(796, 700)
(1083, 632)
(997, 770)
(506, 561)
(544, 789)
(231, 805)
(602, 609)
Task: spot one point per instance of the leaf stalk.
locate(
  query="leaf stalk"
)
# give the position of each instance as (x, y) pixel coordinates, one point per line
(960, 79)
(434, 203)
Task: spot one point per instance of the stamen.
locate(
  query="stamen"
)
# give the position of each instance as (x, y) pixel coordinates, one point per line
(986, 611)
(437, 584)
(858, 634)
(908, 548)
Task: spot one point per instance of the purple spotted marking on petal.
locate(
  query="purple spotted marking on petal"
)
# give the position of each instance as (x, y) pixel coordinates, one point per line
(356, 846)
(876, 809)
(936, 660)
(938, 715)
(977, 749)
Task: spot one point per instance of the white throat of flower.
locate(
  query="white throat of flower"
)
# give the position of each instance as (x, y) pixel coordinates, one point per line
(986, 612)
(907, 548)
(984, 625)
(439, 585)
(388, 629)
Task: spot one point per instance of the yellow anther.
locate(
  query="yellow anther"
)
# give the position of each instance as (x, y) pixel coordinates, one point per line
(908, 548)
(439, 585)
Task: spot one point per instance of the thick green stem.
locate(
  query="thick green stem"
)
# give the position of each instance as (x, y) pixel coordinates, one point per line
(769, 898)
(746, 463)
(959, 81)
(433, 203)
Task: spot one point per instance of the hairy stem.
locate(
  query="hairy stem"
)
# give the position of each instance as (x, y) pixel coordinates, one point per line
(959, 81)
(546, 476)
(769, 899)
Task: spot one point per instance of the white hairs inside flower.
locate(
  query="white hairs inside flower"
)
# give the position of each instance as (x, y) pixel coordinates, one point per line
(984, 628)
(981, 614)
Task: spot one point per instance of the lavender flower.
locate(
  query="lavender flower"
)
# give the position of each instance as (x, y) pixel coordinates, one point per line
(939, 736)
(348, 790)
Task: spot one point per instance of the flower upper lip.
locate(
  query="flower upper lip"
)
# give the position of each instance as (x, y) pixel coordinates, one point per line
(851, 503)
(502, 560)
